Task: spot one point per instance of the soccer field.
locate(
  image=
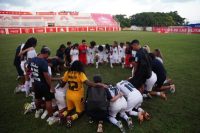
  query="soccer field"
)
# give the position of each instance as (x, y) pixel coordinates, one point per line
(179, 114)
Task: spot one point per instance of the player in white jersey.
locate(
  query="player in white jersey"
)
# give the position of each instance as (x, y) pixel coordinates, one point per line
(106, 53)
(114, 59)
(91, 53)
(134, 100)
(100, 55)
(74, 53)
(121, 51)
(27, 53)
(118, 104)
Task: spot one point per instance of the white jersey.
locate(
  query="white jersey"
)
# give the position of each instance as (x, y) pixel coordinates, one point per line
(121, 51)
(74, 53)
(100, 55)
(31, 54)
(90, 55)
(106, 55)
(125, 87)
(148, 86)
(133, 96)
(117, 106)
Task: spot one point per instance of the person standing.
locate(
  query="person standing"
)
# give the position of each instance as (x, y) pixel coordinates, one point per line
(142, 66)
(42, 83)
(83, 52)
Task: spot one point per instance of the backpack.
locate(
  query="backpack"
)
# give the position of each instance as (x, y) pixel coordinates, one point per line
(96, 103)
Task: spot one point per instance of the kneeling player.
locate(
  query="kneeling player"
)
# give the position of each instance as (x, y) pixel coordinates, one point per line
(118, 104)
(75, 77)
(134, 100)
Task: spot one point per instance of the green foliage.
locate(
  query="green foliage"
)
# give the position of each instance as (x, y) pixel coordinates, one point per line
(179, 114)
(123, 20)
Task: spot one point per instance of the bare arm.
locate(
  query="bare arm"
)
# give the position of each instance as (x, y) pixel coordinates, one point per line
(24, 51)
(116, 97)
(92, 84)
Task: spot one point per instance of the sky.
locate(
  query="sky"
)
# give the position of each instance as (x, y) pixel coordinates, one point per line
(189, 9)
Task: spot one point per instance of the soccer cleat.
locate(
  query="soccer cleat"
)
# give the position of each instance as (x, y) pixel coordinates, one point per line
(119, 124)
(44, 114)
(172, 88)
(130, 123)
(163, 96)
(69, 122)
(18, 89)
(100, 127)
(140, 117)
(38, 113)
(53, 120)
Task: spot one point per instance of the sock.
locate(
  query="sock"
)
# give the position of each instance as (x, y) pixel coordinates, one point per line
(113, 120)
(65, 113)
(158, 93)
(140, 110)
(74, 117)
(97, 64)
(123, 115)
(133, 113)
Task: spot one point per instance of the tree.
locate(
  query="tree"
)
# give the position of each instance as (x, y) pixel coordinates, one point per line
(123, 20)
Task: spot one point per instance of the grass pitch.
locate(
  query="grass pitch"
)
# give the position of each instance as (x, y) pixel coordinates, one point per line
(179, 114)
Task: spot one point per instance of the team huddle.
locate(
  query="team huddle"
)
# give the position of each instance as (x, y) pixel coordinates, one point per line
(66, 101)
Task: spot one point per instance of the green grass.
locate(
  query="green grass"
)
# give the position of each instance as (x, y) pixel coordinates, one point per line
(179, 114)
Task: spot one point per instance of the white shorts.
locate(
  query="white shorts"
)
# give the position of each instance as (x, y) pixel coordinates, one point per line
(114, 59)
(90, 60)
(118, 106)
(134, 100)
(60, 96)
(150, 82)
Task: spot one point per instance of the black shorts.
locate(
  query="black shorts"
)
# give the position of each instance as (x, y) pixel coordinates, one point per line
(160, 81)
(42, 90)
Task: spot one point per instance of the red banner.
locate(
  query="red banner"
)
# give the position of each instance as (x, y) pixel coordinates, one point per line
(101, 29)
(39, 30)
(51, 29)
(2, 31)
(196, 30)
(72, 29)
(27, 30)
(61, 29)
(91, 28)
(82, 29)
(14, 31)
(109, 28)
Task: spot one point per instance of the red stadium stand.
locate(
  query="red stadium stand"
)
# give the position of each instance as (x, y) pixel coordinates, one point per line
(17, 22)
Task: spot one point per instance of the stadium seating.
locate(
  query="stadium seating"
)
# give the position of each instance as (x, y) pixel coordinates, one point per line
(13, 22)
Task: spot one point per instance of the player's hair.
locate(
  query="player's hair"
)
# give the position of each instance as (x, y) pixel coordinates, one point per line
(61, 46)
(158, 53)
(83, 41)
(100, 48)
(69, 43)
(45, 50)
(121, 44)
(135, 42)
(107, 46)
(77, 66)
(97, 79)
(152, 56)
(75, 45)
(32, 41)
(147, 48)
(92, 43)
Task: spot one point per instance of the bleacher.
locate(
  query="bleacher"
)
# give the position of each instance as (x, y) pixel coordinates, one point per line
(14, 22)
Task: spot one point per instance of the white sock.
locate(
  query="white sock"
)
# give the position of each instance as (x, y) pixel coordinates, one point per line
(133, 113)
(123, 115)
(113, 120)
(140, 110)
(158, 93)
